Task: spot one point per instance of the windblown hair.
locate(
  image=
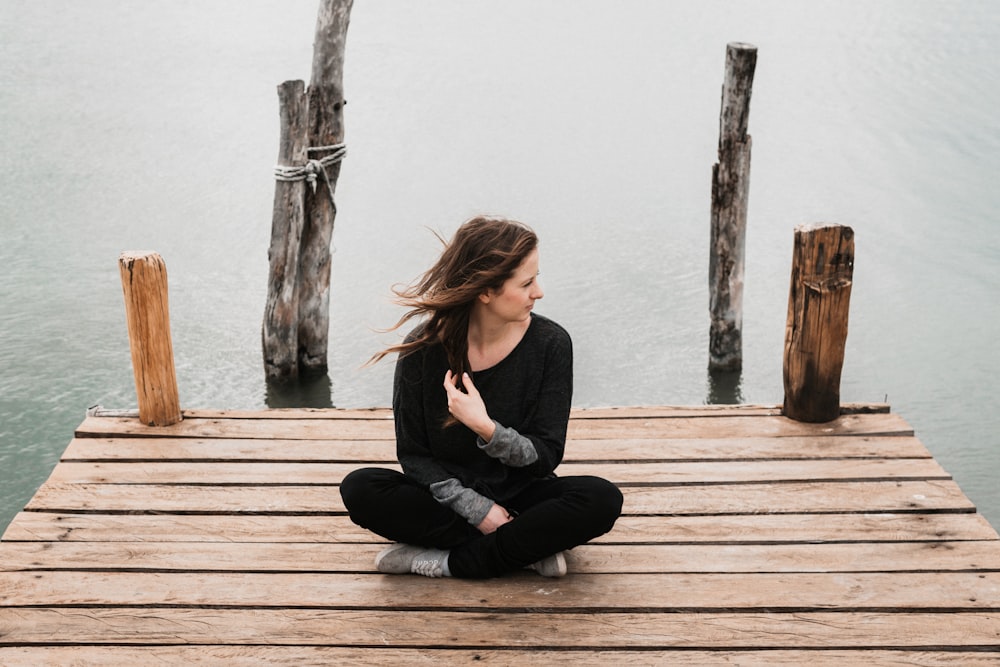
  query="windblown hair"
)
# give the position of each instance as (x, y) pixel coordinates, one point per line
(481, 256)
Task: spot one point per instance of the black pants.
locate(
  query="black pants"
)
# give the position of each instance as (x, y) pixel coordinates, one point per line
(553, 515)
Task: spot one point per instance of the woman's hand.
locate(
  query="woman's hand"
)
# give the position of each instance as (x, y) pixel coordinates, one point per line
(496, 517)
(467, 406)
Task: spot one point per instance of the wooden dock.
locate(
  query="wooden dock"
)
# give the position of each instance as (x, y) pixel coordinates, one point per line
(747, 539)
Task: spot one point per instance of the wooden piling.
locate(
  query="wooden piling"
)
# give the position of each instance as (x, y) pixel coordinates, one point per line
(326, 131)
(816, 328)
(296, 326)
(730, 187)
(280, 331)
(144, 283)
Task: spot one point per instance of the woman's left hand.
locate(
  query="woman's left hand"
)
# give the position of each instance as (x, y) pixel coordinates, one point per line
(496, 517)
(468, 406)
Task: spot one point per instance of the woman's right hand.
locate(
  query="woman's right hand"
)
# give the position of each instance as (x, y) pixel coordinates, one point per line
(496, 517)
(467, 406)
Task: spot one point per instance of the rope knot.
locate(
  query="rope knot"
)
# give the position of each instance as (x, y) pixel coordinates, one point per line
(312, 168)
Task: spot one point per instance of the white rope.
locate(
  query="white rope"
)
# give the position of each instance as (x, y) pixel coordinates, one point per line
(311, 168)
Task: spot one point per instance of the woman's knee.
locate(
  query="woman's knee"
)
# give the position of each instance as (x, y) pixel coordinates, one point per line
(595, 500)
(604, 502)
(359, 488)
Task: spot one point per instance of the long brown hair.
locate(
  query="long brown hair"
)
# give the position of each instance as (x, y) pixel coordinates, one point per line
(482, 255)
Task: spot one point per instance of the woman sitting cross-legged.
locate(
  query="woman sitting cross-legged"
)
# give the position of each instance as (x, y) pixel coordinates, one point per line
(481, 402)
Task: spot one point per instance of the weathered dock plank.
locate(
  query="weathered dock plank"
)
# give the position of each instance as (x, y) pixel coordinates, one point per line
(633, 473)
(334, 529)
(524, 629)
(590, 558)
(792, 497)
(323, 656)
(746, 539)
(577, 450)
(719, 424)
(794, 591)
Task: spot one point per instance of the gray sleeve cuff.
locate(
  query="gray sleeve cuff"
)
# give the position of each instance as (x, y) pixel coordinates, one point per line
(509, 447)
(462, 500)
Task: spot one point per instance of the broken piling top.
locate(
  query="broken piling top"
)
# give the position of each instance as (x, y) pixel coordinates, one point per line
(147, 313)
(819, 301)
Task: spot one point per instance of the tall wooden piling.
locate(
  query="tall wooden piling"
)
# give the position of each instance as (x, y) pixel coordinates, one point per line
(326, 136)
(296, 326)
(730, 187)
(147, 312)
(816, 329)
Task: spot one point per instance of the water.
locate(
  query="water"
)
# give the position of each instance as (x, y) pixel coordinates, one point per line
(154, 126)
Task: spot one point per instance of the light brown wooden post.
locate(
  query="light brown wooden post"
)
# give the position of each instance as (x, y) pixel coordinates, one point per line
(816, 329)
(280, 331)
(730, 188)
(326, 128)
(144, 282)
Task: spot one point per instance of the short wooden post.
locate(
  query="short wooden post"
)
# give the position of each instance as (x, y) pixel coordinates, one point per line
(144, 282)
(816, 329)
(280, 331)
(730, 188)
(326, 131)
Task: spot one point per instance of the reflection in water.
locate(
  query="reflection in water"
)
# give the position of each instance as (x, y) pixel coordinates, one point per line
(308, 392)
(725, 388)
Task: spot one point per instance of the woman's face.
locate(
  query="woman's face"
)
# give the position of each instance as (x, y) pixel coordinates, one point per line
(515, 299)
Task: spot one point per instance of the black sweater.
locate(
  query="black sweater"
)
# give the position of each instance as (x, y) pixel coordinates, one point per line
(527, 395)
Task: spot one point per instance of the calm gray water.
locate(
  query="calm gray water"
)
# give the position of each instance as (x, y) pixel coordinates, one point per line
(132, 126)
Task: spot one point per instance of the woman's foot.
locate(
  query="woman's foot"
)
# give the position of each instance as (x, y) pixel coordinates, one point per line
(552, 566)
(409, 559)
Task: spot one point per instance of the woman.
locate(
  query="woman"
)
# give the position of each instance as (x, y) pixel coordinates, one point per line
(481, 400)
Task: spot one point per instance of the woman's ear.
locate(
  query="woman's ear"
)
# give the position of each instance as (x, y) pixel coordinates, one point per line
(484, 297)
